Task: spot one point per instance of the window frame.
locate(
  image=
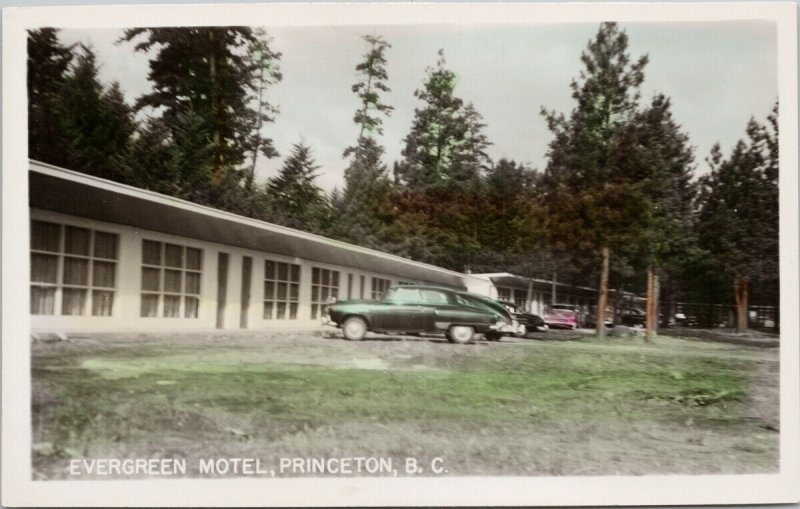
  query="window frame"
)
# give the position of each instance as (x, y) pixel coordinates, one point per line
(318, 303)
(162, 293)
(61, 255)
(382, 285)
(288, 301)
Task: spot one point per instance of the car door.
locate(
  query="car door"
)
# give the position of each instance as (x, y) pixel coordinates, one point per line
(403, 310)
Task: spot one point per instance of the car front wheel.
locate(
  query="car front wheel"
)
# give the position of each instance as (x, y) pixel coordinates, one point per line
(461, 334)
(354, 328)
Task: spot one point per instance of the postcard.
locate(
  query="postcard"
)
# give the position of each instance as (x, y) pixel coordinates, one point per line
(386, 254)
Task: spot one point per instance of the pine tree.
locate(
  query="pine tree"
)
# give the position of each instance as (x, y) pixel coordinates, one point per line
(88, 124)
(219, 74)
(446, 147)
(293, 197)
(587, 201)
(738, 212)
(364, 206)
(48, 64)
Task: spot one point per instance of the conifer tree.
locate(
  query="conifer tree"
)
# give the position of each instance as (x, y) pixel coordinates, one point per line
(364, 207)
(293, 198)
(219, 74)
(738, 212)
(587, 201)
(48, 65)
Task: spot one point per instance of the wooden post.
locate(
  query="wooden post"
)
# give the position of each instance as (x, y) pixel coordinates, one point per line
(740, 290)
(650, 312)
(553, 289)
(603, 298)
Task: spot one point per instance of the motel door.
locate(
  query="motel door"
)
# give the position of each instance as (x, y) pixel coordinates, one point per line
(222, 288)
(247, 270)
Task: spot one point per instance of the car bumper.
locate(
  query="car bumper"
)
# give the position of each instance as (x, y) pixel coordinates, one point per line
(510, 328)
(326, 321)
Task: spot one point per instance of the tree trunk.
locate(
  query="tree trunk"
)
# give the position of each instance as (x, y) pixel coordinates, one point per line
(216, 109)
(553, 289)
(740, 291)
(602, 300)
(651, 311)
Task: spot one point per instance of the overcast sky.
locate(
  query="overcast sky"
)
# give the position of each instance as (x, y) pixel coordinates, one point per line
(717, 74)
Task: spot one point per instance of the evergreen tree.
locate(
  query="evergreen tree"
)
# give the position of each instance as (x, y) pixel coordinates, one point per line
(446, 147)
(293, 197)
(587, 203)
(74, 121)
(48, 64)
(364, 206)
(738, 212)
(219, 74)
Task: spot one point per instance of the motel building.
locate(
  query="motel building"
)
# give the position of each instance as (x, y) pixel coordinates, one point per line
(107, 257)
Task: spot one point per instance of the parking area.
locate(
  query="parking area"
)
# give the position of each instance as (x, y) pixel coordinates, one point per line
(557, 403)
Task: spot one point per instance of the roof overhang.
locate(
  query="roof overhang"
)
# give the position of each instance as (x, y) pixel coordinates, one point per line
(516, 281)
(68, 192)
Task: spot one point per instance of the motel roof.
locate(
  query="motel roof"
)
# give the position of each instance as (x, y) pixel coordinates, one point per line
(70, 192)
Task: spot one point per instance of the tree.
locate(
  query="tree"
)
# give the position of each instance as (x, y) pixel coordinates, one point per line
(738, 211)
(219, 74)
(439, 179)
(587, 198)
(446, 147)
(364, 206)
(88, 124)
(655, 157)
(266, 63)
(369, 88)
(48, 63)
(293, 198)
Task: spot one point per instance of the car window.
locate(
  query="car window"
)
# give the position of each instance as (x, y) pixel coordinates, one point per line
(434, 297)
(390, 294)
(408, 295)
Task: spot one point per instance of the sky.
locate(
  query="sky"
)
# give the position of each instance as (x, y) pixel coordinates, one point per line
(717, 74)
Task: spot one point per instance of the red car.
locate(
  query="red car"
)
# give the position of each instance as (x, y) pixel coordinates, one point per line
(559, 318)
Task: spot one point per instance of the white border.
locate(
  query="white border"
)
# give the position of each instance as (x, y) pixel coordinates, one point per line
(17, 487)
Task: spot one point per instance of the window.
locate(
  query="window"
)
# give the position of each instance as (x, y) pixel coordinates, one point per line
(324, 284)
(170, 280)
(73, 270)
(281, 290)
(406, 295)
(434, 296)
(520, 298)
(379, 286)
(504, 294)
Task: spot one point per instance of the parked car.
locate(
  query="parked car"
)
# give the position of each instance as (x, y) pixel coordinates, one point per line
(632, 317)
(417, 309)
(562, 316)
(531, 321)
(590, 322)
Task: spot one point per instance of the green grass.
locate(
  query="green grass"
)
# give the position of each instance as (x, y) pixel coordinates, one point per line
(134, 401)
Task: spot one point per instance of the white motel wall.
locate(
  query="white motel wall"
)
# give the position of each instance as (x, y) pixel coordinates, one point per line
(107, 257)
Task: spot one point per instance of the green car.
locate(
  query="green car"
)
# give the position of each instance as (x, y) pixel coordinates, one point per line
(417, 308)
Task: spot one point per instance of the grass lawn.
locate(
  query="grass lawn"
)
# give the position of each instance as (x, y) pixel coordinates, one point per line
(527, 407)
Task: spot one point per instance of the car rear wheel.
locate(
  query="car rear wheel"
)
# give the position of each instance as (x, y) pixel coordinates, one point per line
(493, 336)
(461, 334)
(354, 328)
